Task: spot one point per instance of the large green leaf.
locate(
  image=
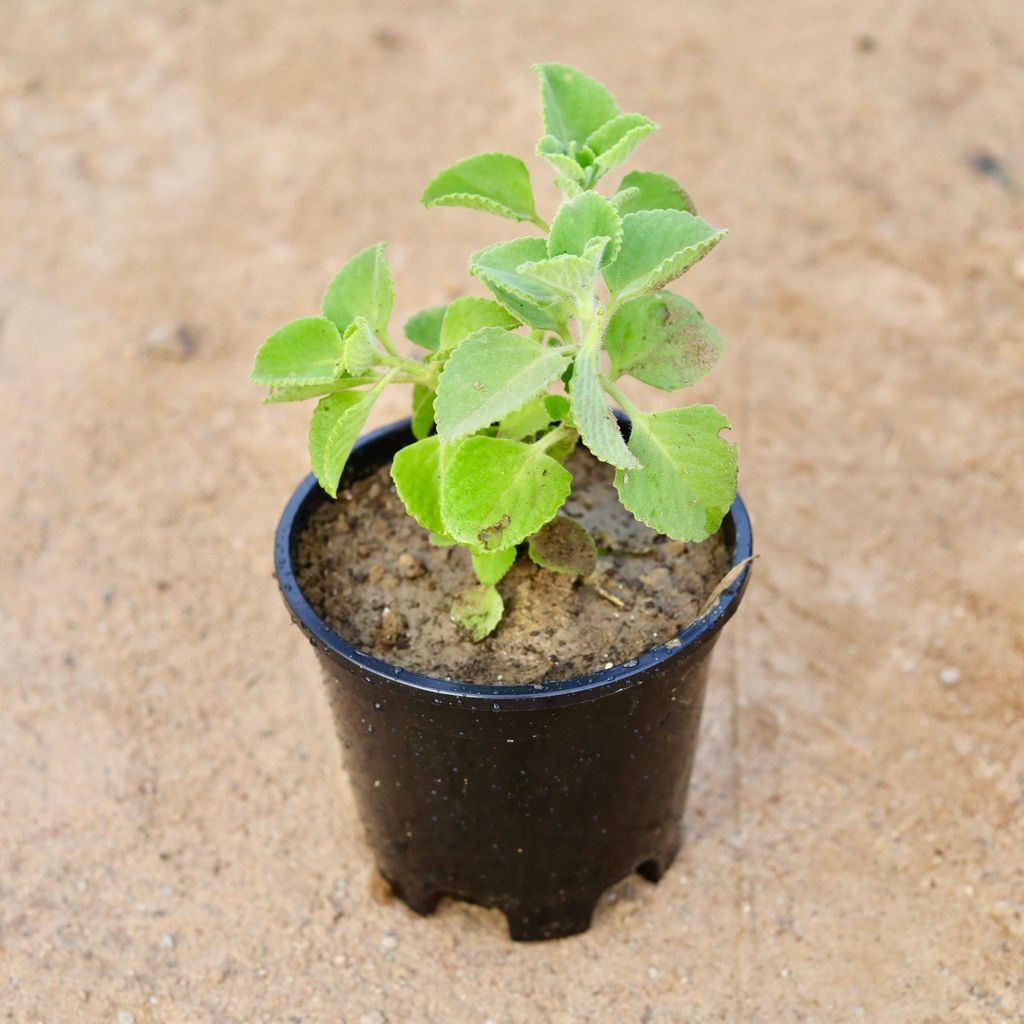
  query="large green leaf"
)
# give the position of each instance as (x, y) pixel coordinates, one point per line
(613, 142)
(424, 328)
(305, 352)
(493, 182)
(333, 431)
(597, 426)
(496, 493)
(417, 471)
(478, 610)
(528, 299)
(663, 340)
(653, 192)
(573, 105)
(581, 220)
(469, 314)
(658, 246)
(688, 479)
(491, 373)
(362, 288)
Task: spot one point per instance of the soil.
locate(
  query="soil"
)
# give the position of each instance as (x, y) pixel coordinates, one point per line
(372, 574)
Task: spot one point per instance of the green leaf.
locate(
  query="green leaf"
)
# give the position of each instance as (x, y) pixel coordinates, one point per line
(491, 566)
(563, 545)
(468, 315)
(658, 246)
(613, 142)
(557, 406)
(422, 410)
(663, 340)
(623, 197)
(300, 392)
(597, 426)
(491, 373)
(571, 276)
(554, 152)
(493, 182)
(581, 220)
(496, 493)
(568, 187)
(529, 300)
(573, 105)
(653, 192)
(307, 351)
(526, 421)
(360, 351)
(333, 430)
(424, 328)
(478, 611)
(417, 471)
(688, 479)
(362, 288)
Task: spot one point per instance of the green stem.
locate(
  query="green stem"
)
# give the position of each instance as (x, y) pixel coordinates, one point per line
(620, 396)
(561, 432)
(385, 340)
(540, 222)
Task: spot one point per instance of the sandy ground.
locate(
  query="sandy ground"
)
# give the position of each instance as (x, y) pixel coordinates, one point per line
(177, 840)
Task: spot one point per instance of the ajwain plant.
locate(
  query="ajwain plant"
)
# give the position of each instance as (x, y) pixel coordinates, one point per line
(511, 383)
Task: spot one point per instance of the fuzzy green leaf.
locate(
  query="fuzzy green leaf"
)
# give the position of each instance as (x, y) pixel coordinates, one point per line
(581, 220)
(477, 611)
(300, 392)
(307, 352)
(597, 426)
(470, 314)
(571, 276)
(424, 328)
(569, 170)
(496, 493)
(360, 351)
(658, 246)
(557, 406)
(688, 479)
(491, 566)
(653, 192)
(491, 373)
(563, 545)
(422, 410)
(526, 421)
(333, 430)
(493, 182)
(532, 302)
(663, 340)
(362, 287)
(613, 142)
(417, 471)
(573, 105)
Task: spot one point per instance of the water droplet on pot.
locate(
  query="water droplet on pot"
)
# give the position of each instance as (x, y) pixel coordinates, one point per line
(496, 706)
(377, 705)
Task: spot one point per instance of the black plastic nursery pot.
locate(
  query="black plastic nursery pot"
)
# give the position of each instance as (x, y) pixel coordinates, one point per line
(531, 799)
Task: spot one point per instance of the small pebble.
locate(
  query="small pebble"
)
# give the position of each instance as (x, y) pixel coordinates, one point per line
(172, 342)
(392, 627)
(410, 567)
(949, 676)
(373, 1017)
(124, 1017)
(167, 941)
(389, 942)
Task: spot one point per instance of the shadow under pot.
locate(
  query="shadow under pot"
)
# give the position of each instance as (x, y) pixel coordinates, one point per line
(530, 799)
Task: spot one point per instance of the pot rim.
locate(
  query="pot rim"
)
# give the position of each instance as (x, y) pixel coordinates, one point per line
(693, 636)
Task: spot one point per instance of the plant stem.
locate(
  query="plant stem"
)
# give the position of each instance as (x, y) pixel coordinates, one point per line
(385, 340)
(540, 222)
(620, 396)
(561, 432)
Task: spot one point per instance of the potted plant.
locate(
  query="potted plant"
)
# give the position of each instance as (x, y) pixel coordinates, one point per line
(517, 670)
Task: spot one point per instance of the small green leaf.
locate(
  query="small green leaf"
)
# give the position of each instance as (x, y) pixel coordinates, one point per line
(623, 197)
(581, 220)
(552, 150)
(333, 431)
(653, 192)
(470, 314)
(300, 392)
(597, 426)
(658, 246)
(613, 142)
(360, 352)
(569, 188)
(573, 105)
(496, 493)
(491, 373)
(422, 410)
(527, 420)
(362, 288)
(493, 182)
(529, 300)
(424, 328)
(563, 545)
(662, 340)
(491, 566)
(557, 406)
(307, 351)
(478, 611)
(417, 471)
(688, 479)
(571, 276)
